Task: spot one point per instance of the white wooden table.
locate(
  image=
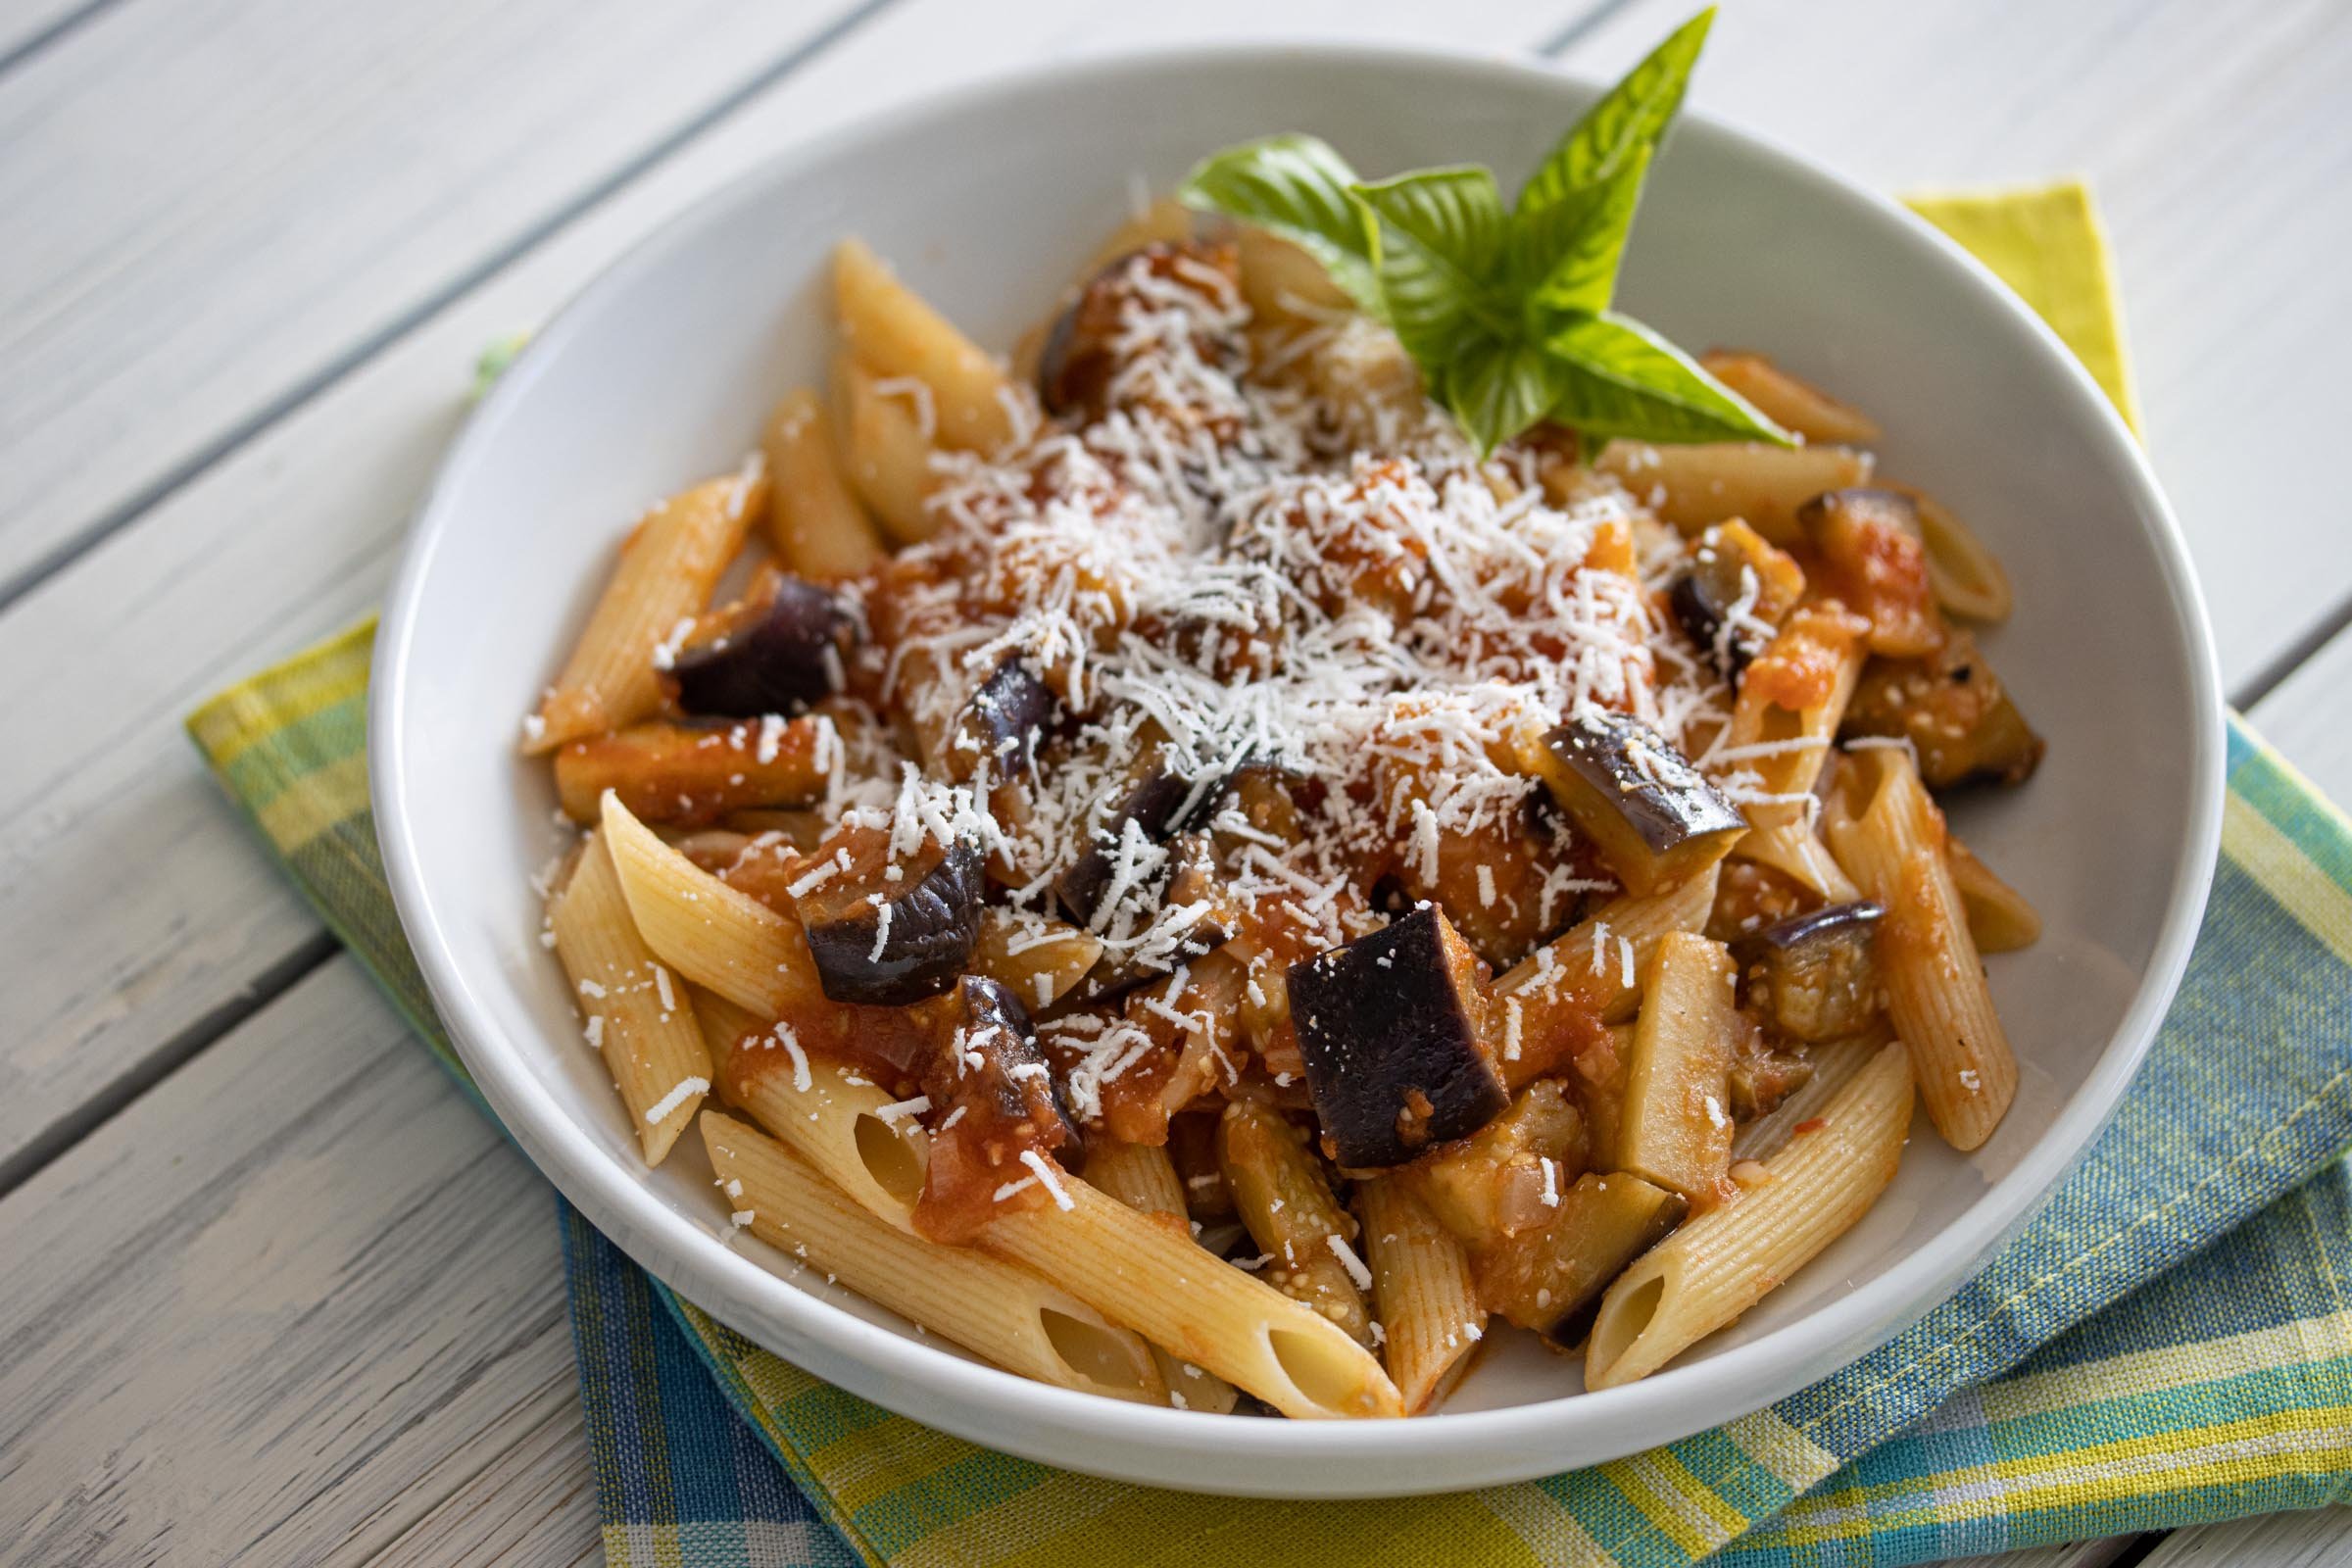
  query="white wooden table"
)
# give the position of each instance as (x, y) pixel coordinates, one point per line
(294, 1300)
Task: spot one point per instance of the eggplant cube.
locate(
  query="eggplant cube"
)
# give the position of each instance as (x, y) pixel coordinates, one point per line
(991, 1067)
(1389, 1028)
(1001, 723)
(1814, 976)
(777, 657)
(1655, 819)
(892, 940)
(1153, 798)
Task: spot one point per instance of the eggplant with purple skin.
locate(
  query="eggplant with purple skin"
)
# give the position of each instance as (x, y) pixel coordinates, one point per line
(1655, 819)
(1001, 723)
(772, 656)
(1737, 588)
(1392, 1031)
(884, 938)
(990, 1066)
(1146, 801)
(1814, 976)
(1953, 709)
(1193, 883)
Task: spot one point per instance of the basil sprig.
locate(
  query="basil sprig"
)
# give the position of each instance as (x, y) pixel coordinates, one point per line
(1506, 307)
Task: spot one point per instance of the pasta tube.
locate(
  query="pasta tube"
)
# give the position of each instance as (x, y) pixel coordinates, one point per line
(1010, 1316)
(884, 453)
(639, 1015)
(1676, 1125)
(708, 931)
(1720, 1264)
(669, 566)
(1144, 1178)
(1143, 1273)
(814, 521)
(1890, 837)
(894, 335)
(685, 773)
(1430, 1316)
(1694, 487)
(1279, 1189)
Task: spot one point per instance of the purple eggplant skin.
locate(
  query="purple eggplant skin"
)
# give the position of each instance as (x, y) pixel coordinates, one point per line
(1194, 881)
(990, 1063)
(776, 658)
(1155, 796)
(1814, 976)
(1655, 819)
(1388, 1029)
(1699, 609)
(934, 920)
(1001, 722)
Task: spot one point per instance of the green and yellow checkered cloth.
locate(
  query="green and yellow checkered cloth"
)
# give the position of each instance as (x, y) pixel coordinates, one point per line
(2169, 1343)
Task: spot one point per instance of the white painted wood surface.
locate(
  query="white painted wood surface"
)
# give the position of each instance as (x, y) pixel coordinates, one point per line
(304, 1306)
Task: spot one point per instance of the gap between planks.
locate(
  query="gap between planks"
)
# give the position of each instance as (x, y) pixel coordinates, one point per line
(307, 389)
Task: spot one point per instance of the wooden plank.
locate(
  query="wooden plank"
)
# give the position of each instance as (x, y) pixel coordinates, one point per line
(232, 193)
(28, 26)
(2214, 135)
(281, 1309)
(533, 1501)
(2074, 1554)
(139, 908)
(2309, 719)
(2322, 1539)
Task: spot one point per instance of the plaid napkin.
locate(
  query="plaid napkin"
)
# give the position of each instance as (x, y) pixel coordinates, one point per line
(2169, 1341)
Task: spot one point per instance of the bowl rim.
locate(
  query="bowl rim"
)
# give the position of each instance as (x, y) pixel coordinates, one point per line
(1286, 1460)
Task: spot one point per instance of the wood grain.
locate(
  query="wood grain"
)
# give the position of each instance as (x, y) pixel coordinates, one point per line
(2309, 719)
(286, 1305)
(234, 194)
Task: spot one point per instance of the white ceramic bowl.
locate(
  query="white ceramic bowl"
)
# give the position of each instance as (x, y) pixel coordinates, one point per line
(985, 201)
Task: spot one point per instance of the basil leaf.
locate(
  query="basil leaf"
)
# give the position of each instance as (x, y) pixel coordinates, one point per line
(1621, 379)
(1498, 387)
(1437, 244)
(1295, 186)
(1632, 115)
(1566, 255)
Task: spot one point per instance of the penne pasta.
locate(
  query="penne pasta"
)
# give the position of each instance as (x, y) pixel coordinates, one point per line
(889, 329)
(1595, 969)
(1144, 1178)
(1786, 718)
(1550, 1279)
(640, 1017)
(706, 930)
(1038, 957)
(1694, 487)
(725, 1027)
(669, 566)
(1795, 406)
(1280, 1193)
(693, 773)
(1676, 1125)
(1833, 1064)
(1717, 1266)
(1969, 579)
(1888, 833)
(884, 453)
(814, 524)
(1429, 1314)
(1999, 918)
(1006, 1315)
(1143, 1272)
(841, 1123)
